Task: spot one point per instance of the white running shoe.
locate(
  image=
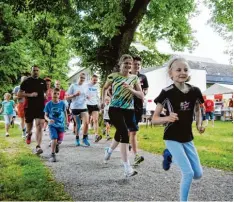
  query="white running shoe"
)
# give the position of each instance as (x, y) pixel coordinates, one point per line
(129, 172)
(107, 155)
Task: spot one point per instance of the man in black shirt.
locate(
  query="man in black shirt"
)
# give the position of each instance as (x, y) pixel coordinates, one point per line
(34, 88)
(138, 105)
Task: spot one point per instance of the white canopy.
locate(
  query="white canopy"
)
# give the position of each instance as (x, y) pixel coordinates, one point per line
(218, 89)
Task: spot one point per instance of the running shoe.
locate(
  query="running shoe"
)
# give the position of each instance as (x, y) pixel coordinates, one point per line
(108, 138)
(98, 138)
(57, 148)
(138, 159)
(7, 135)
(167, 160)
(86, 142)
(52, 158)
(107, 154)
(28, 138)
(38, 150)
(77, 142)
(129, 172)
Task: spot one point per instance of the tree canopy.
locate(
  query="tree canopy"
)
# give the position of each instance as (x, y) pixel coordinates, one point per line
(49, 32)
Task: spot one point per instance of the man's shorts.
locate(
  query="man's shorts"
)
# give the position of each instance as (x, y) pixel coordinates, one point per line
(77, 112)
(20, 109)
(31, 114)
(56, 133)
(92, 108)
(210, 114)
(138, 115)
(107, 121)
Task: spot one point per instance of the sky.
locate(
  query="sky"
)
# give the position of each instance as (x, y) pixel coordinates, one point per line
(211, 45)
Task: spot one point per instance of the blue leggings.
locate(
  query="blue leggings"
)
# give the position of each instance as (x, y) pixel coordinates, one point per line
(186, 157)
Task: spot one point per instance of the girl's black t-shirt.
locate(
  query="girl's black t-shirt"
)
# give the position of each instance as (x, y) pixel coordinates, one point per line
(173, 100)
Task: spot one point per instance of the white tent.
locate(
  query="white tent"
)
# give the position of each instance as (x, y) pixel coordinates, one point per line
(218, 89)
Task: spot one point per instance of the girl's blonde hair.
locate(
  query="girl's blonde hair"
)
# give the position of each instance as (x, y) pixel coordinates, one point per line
(124, 57)
(171, 62)
(7, 95)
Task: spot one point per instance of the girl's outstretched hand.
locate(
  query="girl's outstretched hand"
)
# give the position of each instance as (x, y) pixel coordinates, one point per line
(201, 129)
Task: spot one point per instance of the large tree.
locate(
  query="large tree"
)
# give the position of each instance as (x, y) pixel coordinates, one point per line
(104, 30)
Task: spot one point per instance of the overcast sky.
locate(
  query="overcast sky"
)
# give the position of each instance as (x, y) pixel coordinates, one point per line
(211, 45)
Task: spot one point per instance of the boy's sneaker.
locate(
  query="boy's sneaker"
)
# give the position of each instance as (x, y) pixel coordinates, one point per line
(57, 148)
(28, 138)
(98, 138)
(108, 138)
(167, 160)
(104, 131)
(86, 142)
(7, 135)
(77, 142)
(38, 150)
(24, 133)
(129, 172)
(52, 158)
(107, 155)
(138, 159)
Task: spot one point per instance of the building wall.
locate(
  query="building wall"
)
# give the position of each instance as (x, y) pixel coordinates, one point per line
(159, 79)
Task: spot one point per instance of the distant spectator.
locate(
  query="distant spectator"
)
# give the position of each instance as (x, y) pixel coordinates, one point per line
(209, 109)
(230, 105)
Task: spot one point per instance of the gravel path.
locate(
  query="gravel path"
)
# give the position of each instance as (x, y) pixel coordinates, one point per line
(87, 178)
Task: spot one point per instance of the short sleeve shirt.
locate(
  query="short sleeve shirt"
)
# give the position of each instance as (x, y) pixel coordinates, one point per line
(106, 112)
(92, 93)
(78, 102)
(15, 91)
(138, 103)
(122, 97)
(173, 100)
(8, 107)
(55, 111)
(209, 106)
(31, 85)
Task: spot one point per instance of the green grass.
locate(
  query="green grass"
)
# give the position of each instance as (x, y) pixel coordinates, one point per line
(23, 176)
(215, 146)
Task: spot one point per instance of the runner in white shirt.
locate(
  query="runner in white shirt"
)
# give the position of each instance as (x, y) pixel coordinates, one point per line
(93, 103)
(77, 93)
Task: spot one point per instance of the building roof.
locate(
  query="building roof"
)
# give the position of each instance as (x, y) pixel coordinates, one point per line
(218, 89)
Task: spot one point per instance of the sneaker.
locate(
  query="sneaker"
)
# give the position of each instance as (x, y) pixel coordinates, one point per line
(52, 158)
(98, 138)
(24, 134)
(107, 155)
(86, 142)
(138, 159)
(167, 160)
(108, 138)
(129, 172)
(50, 143)
(28, 138)
(104, 131)
(77, 142)
(7, 135)
(39, 150)
(57, 148)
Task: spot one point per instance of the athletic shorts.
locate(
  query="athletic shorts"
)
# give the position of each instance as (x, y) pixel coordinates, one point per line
(7, 119)
(56, 133)
(210, 114)
(20, 109)
(77, 112)
(107, 121)
(93, 108)
(138, 115)
(31, 114)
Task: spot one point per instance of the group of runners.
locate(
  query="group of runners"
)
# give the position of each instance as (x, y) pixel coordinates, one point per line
(123, 108)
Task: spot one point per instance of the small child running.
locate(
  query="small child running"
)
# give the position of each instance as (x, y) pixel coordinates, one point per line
(106, 119)
(181, 100)
(8, 111)
(55, 110)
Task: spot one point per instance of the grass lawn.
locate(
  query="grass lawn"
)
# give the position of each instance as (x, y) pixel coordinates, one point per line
(23, 176)
(215, 146)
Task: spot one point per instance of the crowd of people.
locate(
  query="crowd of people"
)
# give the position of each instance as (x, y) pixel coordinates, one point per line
(121, 102)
